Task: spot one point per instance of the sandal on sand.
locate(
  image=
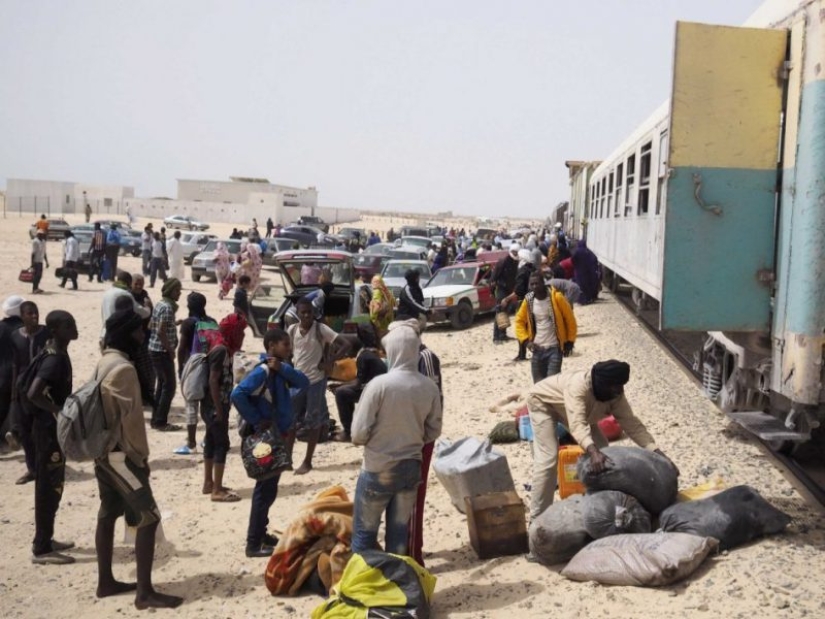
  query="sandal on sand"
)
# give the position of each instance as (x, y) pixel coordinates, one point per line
(227, 497)
(184, 451)
(25, 478)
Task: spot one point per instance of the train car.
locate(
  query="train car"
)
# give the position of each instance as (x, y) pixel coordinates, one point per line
(714, 209)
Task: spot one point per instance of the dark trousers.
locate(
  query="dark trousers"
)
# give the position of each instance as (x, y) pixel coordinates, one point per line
(346, 398)
(263, 496)
(50, 472)
(216, 439)
(146, 259)
(156, 267)
(146, 373)
(21, 426)
(37, 275)
(112, 253)
(70, 272)
(164, 387)
(96, 265)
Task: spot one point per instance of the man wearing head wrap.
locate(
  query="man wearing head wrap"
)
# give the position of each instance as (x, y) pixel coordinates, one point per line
(122, 288)
(10, 323)
(398, 413)
(123, 473)
(578, 400)
(525, 269)
(504, 281)
(196, 304)
(411, 298)
(163, 343)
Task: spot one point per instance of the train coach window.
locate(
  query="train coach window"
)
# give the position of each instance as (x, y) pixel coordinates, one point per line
(631, 179)
(618, 200)
(644, 181)
(610, 194)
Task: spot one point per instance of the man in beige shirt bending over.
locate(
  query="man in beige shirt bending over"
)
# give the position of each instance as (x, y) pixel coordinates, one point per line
(579, 400)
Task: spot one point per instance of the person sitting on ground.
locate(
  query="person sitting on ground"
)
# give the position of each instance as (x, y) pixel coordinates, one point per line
(368, 364)
(578, 400)
(545, 324)
(398, 413)
(263, 400)
(123, 474)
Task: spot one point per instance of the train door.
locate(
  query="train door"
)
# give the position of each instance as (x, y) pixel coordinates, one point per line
(724, 137)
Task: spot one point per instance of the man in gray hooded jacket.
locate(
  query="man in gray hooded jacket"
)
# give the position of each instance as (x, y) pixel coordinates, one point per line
(397, 414)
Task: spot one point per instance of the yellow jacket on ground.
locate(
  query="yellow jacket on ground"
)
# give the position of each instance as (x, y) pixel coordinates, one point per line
(564, 319)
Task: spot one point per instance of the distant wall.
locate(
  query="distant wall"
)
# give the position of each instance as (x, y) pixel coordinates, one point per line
(233, 213)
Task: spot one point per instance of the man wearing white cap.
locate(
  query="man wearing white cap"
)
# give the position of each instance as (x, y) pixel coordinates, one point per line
(11, 322)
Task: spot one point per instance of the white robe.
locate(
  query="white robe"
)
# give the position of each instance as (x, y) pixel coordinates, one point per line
(175, 253)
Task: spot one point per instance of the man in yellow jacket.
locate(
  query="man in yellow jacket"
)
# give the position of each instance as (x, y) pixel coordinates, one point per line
(546, 322)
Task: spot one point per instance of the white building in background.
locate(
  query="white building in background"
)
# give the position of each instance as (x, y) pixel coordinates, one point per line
(60, 197)
(242, 190)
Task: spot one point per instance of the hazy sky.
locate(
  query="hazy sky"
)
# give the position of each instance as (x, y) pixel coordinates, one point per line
(417, 105)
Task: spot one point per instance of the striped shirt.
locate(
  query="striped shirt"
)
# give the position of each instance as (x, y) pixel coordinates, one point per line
(163, 317)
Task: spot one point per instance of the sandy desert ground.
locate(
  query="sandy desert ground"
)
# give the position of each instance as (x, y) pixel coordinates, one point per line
(203, 557)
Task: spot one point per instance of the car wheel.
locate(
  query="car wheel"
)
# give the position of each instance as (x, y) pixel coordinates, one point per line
(196, 278)
(462, 317)
(135, 253)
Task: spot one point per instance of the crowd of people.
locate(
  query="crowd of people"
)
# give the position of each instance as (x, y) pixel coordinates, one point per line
(392, 407)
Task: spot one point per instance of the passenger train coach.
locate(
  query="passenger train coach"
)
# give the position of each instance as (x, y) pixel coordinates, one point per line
(715, 208)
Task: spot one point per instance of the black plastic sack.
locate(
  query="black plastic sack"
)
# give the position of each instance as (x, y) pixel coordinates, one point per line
(646, 476)
(264, 455)
(734, 517)
(610, 512)
(558, 533)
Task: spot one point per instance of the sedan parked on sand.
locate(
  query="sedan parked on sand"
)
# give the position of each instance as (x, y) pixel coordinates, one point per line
(185, 222)
(274, 245)
(459, 292)
(307, 236)
(203, 265)
(395, 270)
(371, 260)
(193, 244)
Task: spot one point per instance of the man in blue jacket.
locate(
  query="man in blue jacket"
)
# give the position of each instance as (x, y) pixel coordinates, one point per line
(263, 400)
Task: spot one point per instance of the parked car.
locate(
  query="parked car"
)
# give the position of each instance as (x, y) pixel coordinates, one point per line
(130, 242)
(459, 292)
(347, 234)
(307, 236)
(413, 231)
(193, 244)
(274, 245)
(185, 222)
(107, 223)
(394, 271)
(422, 242)
(371, 260)
(57, 228)
(315, 222)
(347, 304)
(203, 265)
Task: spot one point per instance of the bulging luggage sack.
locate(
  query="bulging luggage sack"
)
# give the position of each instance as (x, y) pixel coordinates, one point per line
(610, 512)
(734, 517)
(558, 532)
(469, 467)
(640, 559)
(648, 477)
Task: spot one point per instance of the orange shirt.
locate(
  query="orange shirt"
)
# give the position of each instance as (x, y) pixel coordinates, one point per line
(42, 225)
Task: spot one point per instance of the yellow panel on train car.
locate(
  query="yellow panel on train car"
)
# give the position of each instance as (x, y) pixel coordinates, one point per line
(727, 90)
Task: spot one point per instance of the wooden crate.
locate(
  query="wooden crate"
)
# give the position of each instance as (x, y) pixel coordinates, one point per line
(497, 524)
